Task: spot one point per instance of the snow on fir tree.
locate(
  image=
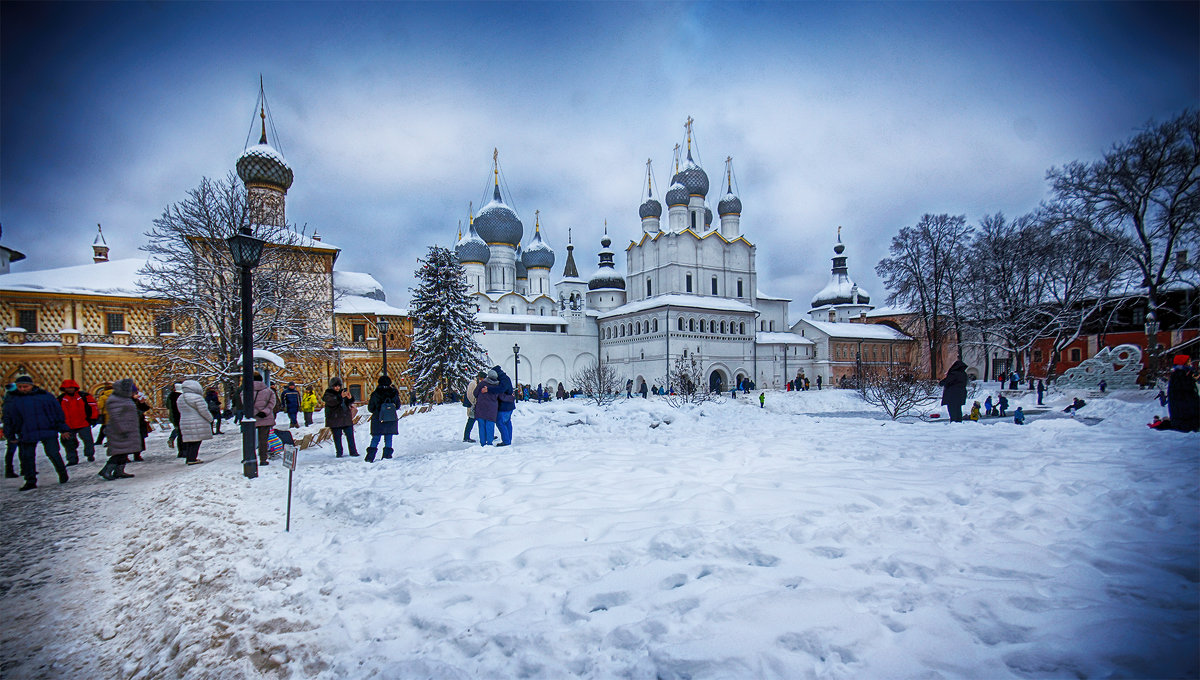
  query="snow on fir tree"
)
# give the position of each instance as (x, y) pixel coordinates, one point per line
(444, 351)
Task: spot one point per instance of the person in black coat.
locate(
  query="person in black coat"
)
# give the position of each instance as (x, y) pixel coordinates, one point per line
(213, 400)
(339, 415)
(35, 416)
(954, 390)
(504, 409)
(384, 403)
(1182, 400)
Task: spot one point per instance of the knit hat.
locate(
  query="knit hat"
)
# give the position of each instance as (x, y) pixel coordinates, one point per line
(335, 382)
(23, 379)
(1181, 359)
(385, 381)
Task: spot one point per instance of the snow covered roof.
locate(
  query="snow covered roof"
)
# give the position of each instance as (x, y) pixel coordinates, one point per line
(358, 283)
(763, 296)
(488, 317)
(115, 278)
(889, 311)
(361, 293)
(864, 331)
(776, 338)
(681, 300)
(358, 304)
(303, 241)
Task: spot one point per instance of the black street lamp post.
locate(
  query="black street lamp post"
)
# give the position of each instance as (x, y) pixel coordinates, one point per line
(247, 250)
(516, 369)
(1152, 348)
(382, 324)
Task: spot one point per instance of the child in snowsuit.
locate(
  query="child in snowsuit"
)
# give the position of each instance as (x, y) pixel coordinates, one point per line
(762, 400)
(1019, 416)
(975, 411)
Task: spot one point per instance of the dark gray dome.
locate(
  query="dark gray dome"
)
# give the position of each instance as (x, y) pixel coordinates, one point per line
(471, 248)
(498, 224)
(650, 208)
(693, 178)
(729, 205)
(707, 216)
(522, 272)
(606, 278)
(262, 164)
(538, 254)
(677, 195)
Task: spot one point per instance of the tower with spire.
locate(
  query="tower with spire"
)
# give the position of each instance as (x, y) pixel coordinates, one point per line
(606, 288)
(266, 175)
(99, 246)
(538, 259)
(499, 227)
(730, 207)
(841, 299)
(571, 290)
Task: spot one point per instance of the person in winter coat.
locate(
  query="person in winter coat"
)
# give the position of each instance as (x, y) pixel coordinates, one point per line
(1182, 400)
(290, 398)
(124, 429)
(213, 401)
(173, 414)
(1041, 390)
(561, 393)
(975, 415)
(818, 383)
(35, 417)
(102, 393)
(383, 405)
(195, 421)
(987, 407)
(308, 404)
(143, 407)
(1002, 405)
(1014, 380)
(339, 415)
(469, 398)
(762, 399)
(239, 409)
(81, 412)
(265, 400)
(505, 405)
(1019, 416)
(645, 389)
(10, 437)
(487, 396)
(1103, 385)
(954, 390)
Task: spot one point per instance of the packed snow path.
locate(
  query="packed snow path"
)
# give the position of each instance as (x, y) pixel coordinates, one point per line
(725, 541)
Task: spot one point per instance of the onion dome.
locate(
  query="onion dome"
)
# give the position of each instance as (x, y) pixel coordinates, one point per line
(606, 276)
(496, 223)
(841, 289)
(729, 205)
(693, 178)
(677, 195)
(539, 253)
(522, 272)
(707, 217)
(471, 248)
(650, 208)
(261, 164)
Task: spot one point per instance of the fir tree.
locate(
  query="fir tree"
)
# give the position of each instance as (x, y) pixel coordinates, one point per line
(444, 352)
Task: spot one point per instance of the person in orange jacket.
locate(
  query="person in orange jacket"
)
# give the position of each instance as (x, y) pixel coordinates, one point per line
(81, 412)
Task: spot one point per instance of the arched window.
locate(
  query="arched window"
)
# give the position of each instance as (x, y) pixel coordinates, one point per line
(712, 326)
(692, 325)
(722, 327)
(638, 328)
(681, 323)
(622, 331)
(648, 288)
(742, 328)
(654, 326)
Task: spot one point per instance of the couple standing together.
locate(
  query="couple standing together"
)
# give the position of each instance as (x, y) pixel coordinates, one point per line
(491, 403)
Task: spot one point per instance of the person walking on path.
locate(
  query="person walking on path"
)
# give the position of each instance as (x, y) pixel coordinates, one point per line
(505, 403)
(102, 393)
(10, 437)
(469, 402)
(195, 421)
(173, 414)
(291, 403)
(1002, 405)
(1019, 416)
(213, 401)
(339, 415)
(81, 412)
(383, 405)
(487, 400)
(264, 415)
(35, 417)
(818, 382)
(954, 390)
(308, 404)
(1182, 400)
(124, 429)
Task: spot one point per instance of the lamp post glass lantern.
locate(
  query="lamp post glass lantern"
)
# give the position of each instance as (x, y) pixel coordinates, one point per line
(382, 325)
(516, 368)
(247, 251)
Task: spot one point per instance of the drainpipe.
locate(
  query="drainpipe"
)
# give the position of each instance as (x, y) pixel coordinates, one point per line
(667, 382)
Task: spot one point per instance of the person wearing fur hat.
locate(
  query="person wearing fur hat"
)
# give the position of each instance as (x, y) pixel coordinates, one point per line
(35, 417)
(384, 403)
(124, 428)
(339, 415)
(81, 412)
(1182, 400)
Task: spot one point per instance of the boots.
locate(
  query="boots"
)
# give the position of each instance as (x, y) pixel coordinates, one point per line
(387, 454)
(120, 472)
(62, 475)
(138, 457)
(263, 461)
(371, 451)
(108, 472)
(29, 484)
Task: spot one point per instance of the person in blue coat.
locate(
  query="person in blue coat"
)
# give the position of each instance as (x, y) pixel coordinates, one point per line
(35, 416)
(290, 396)
(505, 407)
(1019, 416)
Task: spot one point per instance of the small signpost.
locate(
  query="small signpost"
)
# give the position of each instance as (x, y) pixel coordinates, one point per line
(289, 461)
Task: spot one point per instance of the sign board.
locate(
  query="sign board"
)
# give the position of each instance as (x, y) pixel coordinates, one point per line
(289, 457)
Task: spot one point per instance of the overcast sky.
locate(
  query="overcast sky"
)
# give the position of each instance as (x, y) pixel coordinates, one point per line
(860, 115)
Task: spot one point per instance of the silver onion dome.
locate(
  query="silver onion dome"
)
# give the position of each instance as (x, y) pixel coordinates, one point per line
(471, 248)
(539, 253)
(693, 178)
(677, 195)
(606, 276)
(496, 223)
(650, 208)
(262, 164)
(707, 217)
(729, 205)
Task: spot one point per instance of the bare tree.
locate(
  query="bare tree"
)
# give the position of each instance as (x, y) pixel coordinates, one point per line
(599, 383)
(924, 271)
(190, 269)
(686, 384)
(897, 392)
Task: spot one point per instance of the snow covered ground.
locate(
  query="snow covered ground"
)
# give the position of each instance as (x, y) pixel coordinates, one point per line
(725, 541)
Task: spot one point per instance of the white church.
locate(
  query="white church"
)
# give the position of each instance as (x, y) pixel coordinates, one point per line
(690, 288)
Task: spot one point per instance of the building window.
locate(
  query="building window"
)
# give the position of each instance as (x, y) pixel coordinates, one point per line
(1037, 356)
(115, 322)
(714, 285)
(693, 220)
(722, 328)
(1075, 354)
(1139, 315)
(692, 325)
(772, 324)
(638, 328)
(622, 330)
(740, 288)
(162, 324)
(742, 328)
(27, 319)
(688, 283)
(358, 332)
(681, 323)
(654, 326)
(648, 288)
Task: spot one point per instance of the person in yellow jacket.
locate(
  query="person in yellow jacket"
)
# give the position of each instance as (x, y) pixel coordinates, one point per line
(103, 392)
(975, 412)
(309, 403)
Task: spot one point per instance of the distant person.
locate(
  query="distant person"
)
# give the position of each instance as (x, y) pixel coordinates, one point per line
(1182, 400)
(195, 421)
(173, 416)
(1019, 416)
(383, 406)
(954, 390)
(762, 399)
(309, 403)
(265, 400)
(1002, 405)
(290, 396)
(561, 393)
(818, 382)
(10, 438)
(644, 389)
(35, 417)
(81, 412)
(629, 388)
(1014, 381)
(1041, 390)
(1159, 424)
(213, 401)
(124, 429)
(1103, 385)
(987, 407)
(339, 415)
(469, 402)
(975, 415)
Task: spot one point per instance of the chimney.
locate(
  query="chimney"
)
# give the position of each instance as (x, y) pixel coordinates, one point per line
(316, 235)
(99, 247)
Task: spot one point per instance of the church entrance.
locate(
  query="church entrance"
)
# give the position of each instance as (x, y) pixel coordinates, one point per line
(715, 381)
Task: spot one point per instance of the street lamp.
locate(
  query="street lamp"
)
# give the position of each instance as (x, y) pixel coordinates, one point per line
(1152, 346)
(382, 324)
(247, 250)
(516, 368)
